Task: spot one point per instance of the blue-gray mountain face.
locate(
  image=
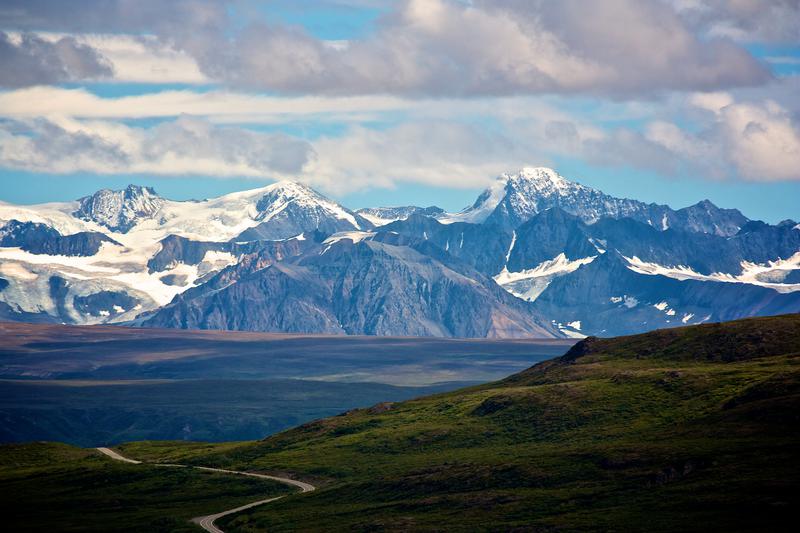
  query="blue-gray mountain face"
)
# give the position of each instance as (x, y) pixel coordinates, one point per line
(535, 256)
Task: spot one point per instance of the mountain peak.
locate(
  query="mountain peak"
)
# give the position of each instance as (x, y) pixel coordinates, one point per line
(291, 186)
(540, 174)
(277, 196)
(515, 197)
(120, 210)
(288, 208)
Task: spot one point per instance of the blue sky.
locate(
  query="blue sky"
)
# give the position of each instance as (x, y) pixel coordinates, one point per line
(407, 102)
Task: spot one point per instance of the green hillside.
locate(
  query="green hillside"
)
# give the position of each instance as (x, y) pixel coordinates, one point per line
(688, 429)
(55, 487)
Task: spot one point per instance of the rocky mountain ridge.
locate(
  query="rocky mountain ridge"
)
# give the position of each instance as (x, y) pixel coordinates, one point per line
(536, 254)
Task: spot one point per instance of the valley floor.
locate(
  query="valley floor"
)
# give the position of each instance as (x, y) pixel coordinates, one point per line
(690, 429)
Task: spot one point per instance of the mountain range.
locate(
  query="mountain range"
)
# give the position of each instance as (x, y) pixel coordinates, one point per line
(536, 255)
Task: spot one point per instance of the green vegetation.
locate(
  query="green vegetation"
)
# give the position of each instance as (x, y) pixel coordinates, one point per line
(687, 429)
(55, 487)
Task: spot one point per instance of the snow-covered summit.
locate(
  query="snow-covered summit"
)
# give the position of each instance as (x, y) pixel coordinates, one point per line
(290, 194)
(515, 197)
(120, 210)
(288, 208)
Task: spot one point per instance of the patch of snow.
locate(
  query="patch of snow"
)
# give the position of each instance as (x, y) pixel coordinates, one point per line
(630, 302)
(570, 329)
(511, 248)
(530, 283)
(17, 271)
(354, 236)
(376, 220)
(599, 244)
(556, 266)
(750, 272)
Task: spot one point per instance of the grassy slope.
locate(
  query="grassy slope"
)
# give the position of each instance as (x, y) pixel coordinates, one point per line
(55, 487)
(688, 429)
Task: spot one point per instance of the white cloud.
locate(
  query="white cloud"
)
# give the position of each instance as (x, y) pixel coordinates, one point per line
(221, 106)
(711, 101)
(757, 141)
(447, 154)
(763, 141)
(186, 146)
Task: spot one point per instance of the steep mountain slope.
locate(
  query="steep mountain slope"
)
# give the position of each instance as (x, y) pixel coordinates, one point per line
(483, 246)
(355, 284)
(690, 429)
(514, 198)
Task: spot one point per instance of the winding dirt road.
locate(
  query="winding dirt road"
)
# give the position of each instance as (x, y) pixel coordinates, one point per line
(207, 522)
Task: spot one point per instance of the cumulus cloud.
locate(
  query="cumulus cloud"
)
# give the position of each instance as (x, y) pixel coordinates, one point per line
(762, 139)
(439, 153)
(438, 47)
(186, 146)
(776, 21)
(755, 141)
(31, 60)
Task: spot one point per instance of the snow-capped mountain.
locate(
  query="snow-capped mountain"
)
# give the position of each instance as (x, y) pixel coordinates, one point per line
(514, 198)
(287, 209)
(119, 211)
(381, 216)
(536, 254)
(120, 245)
